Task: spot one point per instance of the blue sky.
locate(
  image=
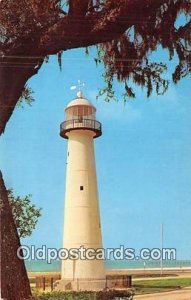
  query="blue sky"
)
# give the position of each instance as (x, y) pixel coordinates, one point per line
(143, 157)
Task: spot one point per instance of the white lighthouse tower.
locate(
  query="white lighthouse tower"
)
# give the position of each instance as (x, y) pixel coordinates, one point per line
(82, 227)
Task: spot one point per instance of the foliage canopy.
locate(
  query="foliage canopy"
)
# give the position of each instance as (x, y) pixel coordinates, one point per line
(125, 32)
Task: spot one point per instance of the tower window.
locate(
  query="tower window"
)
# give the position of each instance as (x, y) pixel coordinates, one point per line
(81, 188)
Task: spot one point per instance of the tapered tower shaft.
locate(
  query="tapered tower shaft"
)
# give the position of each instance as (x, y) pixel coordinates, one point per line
(82, 220)
(82, 226)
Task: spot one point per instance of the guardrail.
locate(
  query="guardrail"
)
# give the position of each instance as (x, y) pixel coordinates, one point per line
(80, 123)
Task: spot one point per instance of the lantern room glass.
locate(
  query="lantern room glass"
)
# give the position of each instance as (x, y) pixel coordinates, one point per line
(80, 112)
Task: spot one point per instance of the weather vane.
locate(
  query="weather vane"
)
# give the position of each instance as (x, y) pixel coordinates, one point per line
(78, 86)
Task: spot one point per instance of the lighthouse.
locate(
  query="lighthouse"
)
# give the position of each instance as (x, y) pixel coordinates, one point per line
(82, 226)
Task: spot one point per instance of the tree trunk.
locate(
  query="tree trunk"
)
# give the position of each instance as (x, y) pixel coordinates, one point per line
(14, 281)
(14, 73)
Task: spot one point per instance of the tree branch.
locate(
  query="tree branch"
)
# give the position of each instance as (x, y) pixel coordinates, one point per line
(98, 27)
(78, 7)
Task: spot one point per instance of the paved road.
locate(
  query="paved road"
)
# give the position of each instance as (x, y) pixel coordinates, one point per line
(183, 294)
(186, 275)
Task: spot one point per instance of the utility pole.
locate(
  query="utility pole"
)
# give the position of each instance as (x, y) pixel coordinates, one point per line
(161, 262)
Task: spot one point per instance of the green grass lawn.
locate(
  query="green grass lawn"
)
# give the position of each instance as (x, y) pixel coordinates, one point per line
(160, 285)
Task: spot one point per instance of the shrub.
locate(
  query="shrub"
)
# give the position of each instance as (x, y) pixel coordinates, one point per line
(86, 295)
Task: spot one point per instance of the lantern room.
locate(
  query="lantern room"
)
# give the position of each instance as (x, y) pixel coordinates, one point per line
(80, 115)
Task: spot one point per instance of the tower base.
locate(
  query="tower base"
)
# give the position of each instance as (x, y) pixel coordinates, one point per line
(80, 285)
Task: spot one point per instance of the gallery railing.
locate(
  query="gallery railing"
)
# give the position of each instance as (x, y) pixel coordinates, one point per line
(79, 123)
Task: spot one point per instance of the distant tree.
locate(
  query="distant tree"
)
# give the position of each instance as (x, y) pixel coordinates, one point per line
(25, 213)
